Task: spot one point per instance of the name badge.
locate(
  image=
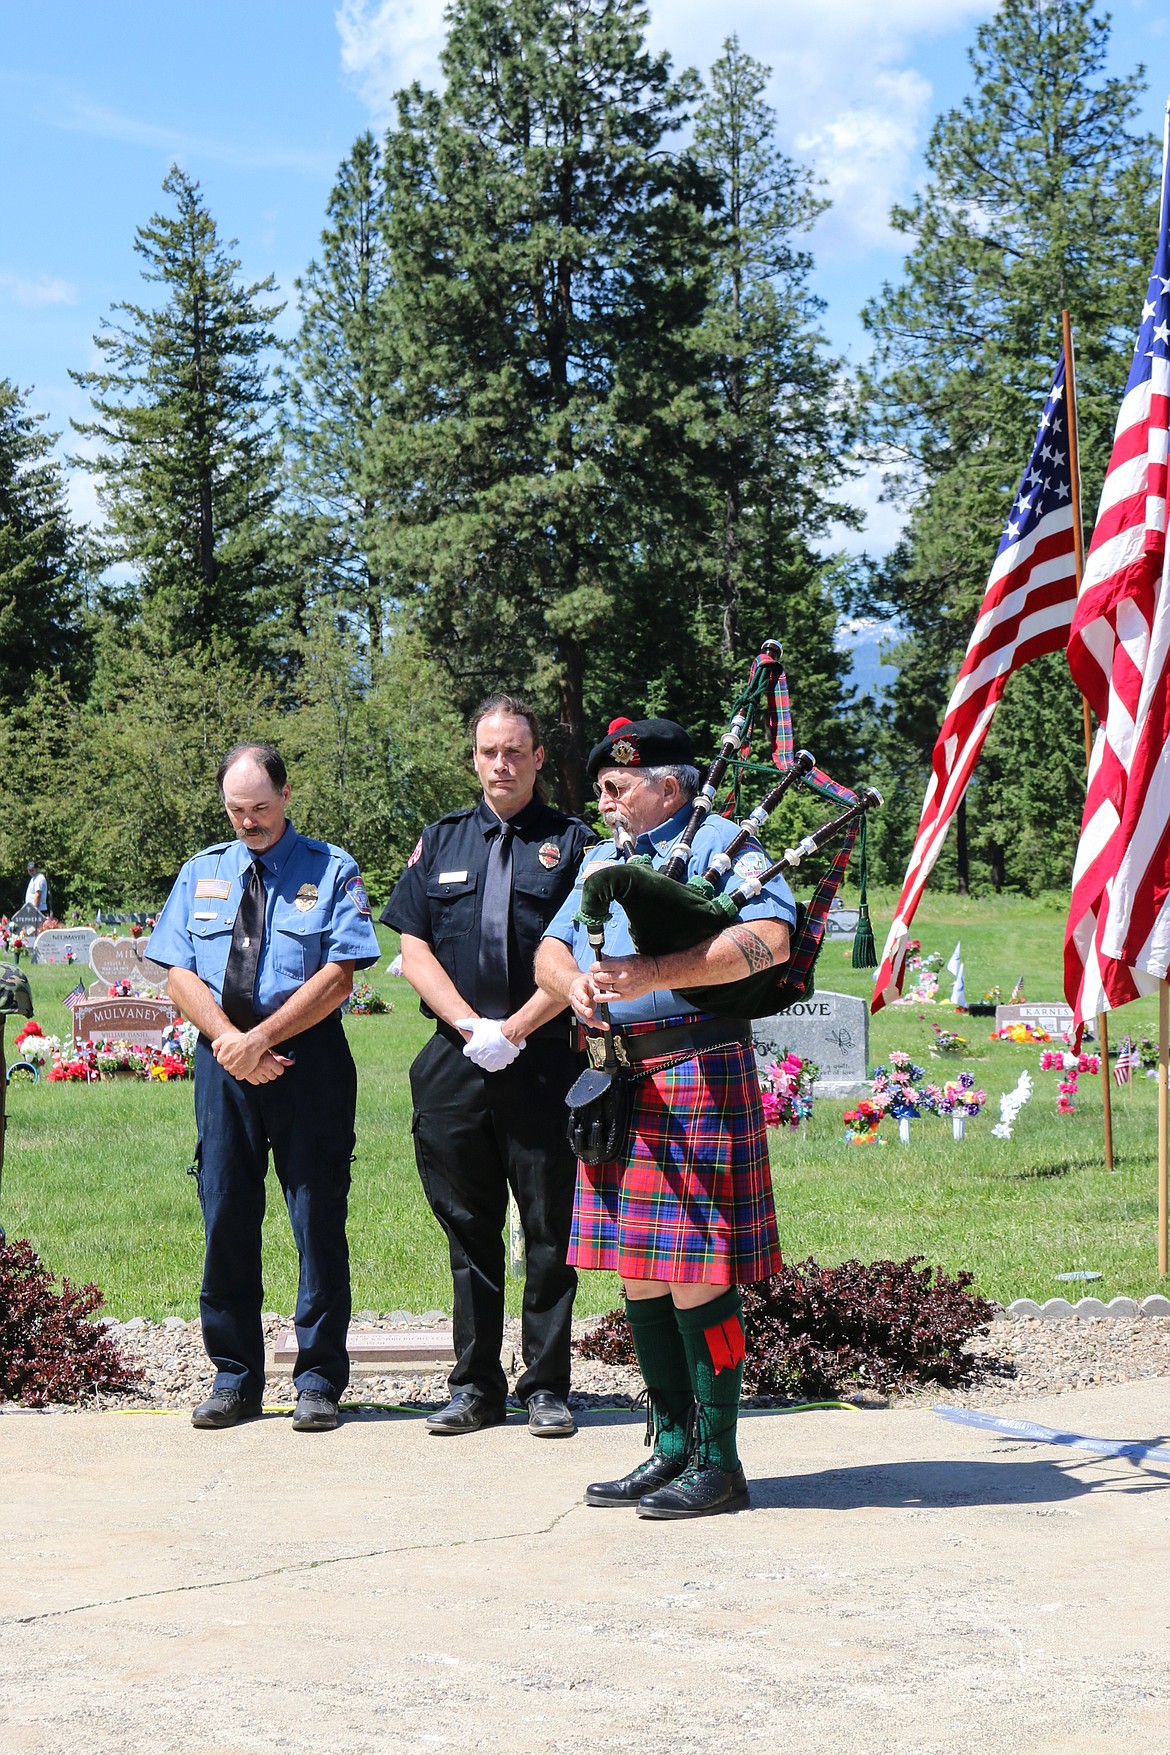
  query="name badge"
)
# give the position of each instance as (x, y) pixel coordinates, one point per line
(204, 915)
(452, 877)
(220, 888)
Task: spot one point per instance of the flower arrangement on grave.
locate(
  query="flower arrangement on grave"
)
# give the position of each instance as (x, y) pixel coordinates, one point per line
(949, 1042)
(961, 1097)
(120, 989)
(1023, 1033)
(786, 1090)
(1010, 1105)
(900, 1090)
(862, 1125)
(135, 929)
(925, 970)
(364, 1002)
(70, 955)
(1072, 1066)
(92, 1061)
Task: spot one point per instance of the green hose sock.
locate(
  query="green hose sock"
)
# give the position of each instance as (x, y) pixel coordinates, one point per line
(662, 1360)
(713, 1336)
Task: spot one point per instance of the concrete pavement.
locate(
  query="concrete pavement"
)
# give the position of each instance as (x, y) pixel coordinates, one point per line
(901, 1584)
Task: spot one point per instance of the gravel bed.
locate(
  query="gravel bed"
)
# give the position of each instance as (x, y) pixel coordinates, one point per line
(1020, 1357)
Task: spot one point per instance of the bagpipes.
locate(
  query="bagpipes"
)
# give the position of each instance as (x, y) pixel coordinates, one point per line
(667, 914)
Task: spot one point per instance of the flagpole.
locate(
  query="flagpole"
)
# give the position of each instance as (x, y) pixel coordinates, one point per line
(1163, 1129)
(1074, 471)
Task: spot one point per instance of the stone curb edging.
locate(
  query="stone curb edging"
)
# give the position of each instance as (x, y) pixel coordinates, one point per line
(1090, 1309)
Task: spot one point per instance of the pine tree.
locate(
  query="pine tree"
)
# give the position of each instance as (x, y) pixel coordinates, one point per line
(1039, 198)
(780, 399)
(42, 567)
(337, 393)
(185, 460)
(550, 261)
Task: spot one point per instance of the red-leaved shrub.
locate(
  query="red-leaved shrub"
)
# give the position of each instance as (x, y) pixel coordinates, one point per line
(812, 1331)
(49, 1351)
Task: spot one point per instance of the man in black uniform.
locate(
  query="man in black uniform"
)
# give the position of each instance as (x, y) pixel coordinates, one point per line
(489, 1087)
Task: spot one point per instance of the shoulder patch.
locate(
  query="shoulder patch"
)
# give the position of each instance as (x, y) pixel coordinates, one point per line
(416, 855)
(355, 889)
(751, 863)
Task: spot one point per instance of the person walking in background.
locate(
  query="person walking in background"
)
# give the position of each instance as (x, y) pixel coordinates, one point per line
(261, 936)
(489, 1087)
(36, 893)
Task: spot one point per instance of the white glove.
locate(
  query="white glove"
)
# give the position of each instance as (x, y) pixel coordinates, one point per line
(489, 1049)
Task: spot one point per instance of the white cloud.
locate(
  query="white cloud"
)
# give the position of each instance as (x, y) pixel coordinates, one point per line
(40, 289)
(387, 44)
(883, 523)
(865, 155)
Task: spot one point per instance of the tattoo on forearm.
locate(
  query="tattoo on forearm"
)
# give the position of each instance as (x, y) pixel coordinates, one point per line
(755, 953)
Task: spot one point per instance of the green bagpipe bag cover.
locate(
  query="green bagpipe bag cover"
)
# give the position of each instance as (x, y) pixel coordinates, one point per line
(668, 916)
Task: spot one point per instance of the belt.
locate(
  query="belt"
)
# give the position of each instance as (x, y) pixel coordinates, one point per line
(677, 1041)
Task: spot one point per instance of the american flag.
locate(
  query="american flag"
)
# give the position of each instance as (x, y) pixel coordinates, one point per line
(1026, 612)
(1128, 1060)
(1117, 943)
(75, 996)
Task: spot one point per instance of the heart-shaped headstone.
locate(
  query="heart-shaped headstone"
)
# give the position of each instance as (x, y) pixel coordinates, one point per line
(122, 959)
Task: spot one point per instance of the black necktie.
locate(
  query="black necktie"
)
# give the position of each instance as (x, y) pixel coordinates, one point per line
(239, 977)
(492, 996)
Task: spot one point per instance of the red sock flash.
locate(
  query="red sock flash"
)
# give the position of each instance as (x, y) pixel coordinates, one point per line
(725, 1343)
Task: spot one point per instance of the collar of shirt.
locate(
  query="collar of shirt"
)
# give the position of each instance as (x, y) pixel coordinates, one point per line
(489, 822)
(661, 839)
(274, 858)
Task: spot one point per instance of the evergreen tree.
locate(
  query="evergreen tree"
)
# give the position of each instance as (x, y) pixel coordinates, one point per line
(780, 403)
(1039, 198)
(41, 563)
(550, 262)
(185, 459)
(337, 392)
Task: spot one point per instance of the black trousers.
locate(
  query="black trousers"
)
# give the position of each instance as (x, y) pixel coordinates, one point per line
(306, 1117)
(476, 1134)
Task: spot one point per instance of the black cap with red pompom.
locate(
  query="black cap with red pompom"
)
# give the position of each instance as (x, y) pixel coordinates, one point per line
(641, 743)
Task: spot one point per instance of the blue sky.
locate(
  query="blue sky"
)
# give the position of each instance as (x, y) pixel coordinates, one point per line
(260, 99)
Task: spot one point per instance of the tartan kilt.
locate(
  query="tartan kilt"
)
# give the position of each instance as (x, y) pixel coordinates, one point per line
(691, 1199)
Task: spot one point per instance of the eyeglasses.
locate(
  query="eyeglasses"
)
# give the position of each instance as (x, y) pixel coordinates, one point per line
(610, 789)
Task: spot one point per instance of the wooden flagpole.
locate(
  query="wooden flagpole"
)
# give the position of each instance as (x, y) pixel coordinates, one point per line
(1163, 1129)
(1074, 467)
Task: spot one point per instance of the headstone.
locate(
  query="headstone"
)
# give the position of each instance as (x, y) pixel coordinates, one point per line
(140, 1020)
(123, 959)
(841, 923)
(27, 920)
(51, 946)
(831, 1029)
(1052, 1015)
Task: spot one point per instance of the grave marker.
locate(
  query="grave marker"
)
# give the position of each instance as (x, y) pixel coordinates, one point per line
(52, 944)
(1052, 1015)
(124, 959)
(831, 1029)
(140, 1020)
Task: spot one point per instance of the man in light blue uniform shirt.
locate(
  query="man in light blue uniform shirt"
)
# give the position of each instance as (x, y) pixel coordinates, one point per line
(261, 936)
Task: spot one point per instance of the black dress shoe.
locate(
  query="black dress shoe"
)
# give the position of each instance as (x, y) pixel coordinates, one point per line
(698, 1492)
(225, 1407)
(316, 1412)
(549, 1416)
(655, 1472)
(467, 1411)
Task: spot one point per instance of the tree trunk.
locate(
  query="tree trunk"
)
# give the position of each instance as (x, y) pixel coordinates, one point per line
(998, 874)
(573, 778)
(961, 857)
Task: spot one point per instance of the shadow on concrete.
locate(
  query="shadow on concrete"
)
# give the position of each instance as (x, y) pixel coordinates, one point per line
(912, 1486)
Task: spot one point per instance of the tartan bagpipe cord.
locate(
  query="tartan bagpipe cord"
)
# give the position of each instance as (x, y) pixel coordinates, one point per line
(766, 697)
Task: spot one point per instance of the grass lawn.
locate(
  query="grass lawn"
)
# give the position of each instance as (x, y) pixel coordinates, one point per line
(96, 1177)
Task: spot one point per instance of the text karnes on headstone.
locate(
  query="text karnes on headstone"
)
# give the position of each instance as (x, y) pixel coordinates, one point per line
(831, 1029)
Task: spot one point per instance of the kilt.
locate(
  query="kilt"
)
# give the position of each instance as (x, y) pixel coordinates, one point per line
(691, 1200)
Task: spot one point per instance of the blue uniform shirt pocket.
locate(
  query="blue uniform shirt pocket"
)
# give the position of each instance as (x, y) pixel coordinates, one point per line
(296, 943)
(212, 940)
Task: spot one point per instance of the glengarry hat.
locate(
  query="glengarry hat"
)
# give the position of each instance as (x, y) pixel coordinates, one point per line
(641, 743)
